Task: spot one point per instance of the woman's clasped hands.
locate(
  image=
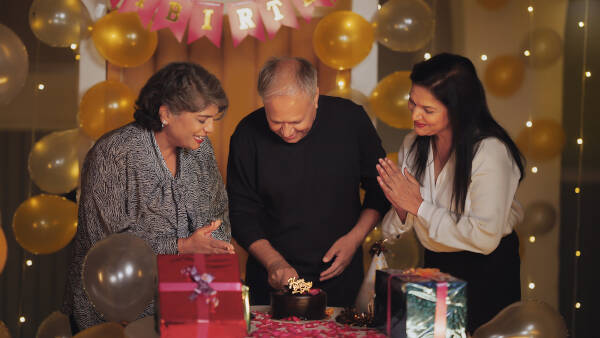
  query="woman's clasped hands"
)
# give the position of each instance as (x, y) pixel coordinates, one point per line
(401, 189)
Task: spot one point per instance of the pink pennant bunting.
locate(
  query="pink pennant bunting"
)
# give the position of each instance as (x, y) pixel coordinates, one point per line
(275, 13)
(174, 14)
(144, 8)
(206, 20)
(244, 19)
(114, 3)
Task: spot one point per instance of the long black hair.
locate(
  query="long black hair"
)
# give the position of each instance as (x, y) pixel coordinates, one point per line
(452, 79)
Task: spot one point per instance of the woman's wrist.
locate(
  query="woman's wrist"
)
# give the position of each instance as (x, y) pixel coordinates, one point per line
(182, 245)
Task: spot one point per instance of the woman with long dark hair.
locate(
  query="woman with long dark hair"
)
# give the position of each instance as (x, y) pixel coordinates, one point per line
(455, 185)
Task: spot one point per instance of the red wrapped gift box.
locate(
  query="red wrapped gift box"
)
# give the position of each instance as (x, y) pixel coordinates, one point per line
(200, 296)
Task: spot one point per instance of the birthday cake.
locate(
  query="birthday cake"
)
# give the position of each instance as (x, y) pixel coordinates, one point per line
(300, 300)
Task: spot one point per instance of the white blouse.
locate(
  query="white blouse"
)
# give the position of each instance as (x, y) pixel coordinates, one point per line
(491, 210)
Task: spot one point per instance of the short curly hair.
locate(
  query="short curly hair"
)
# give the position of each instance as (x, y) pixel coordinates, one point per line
(181, 86)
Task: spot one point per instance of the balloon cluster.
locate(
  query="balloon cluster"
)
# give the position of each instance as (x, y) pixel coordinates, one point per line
(343, 39)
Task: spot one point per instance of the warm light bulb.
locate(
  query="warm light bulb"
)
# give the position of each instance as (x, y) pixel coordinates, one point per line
(532, 285)
(530, 9)
(577, 253)
(588, 74)
(534, 170)
(580, 141)
(581, 24)
(22, 319)
(73, 46)
(577, 305)
(532, 239)
(427, 56)
(577, 190)
(29, 262)
(41, 86)
(77, 57)
(526, 52)
(378, 7)
(528, 124)
(483, 57)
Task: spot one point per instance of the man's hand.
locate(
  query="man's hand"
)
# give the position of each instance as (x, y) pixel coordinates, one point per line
(279, 273)
(343, 249)
(201, 241)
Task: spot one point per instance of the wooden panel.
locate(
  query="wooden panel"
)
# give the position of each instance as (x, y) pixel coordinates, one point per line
(135, 78)
(204, 53)
(169, 49)
(239, 80)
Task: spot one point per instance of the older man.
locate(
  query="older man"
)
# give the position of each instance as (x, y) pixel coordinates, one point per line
(295, 167)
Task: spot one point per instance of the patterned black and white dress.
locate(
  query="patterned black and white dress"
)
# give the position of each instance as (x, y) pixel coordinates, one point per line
(127, 187)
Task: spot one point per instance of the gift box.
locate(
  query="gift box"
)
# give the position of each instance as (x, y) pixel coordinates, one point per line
(200, 296)
(420, 303)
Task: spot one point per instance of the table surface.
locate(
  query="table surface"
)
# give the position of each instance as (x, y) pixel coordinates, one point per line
(264, 326)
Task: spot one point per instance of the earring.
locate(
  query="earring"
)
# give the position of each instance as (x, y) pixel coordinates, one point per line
(163, 123)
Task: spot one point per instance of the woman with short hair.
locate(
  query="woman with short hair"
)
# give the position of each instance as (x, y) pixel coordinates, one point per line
(156, 178)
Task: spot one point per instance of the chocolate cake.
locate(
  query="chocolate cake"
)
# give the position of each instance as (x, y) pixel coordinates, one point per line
(308, 306)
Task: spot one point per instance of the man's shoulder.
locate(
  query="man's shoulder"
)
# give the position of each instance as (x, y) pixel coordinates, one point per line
(251, 124)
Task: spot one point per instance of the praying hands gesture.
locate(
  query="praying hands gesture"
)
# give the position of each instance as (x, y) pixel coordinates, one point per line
(402, 190)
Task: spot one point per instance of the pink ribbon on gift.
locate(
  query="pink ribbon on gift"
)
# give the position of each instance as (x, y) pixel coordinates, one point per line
(173, 14)
(201, 308)
(191, 286)
(275, 13)
(307, 7)
(206, 20)
(439, 328)
(144, 8)
(244, 20)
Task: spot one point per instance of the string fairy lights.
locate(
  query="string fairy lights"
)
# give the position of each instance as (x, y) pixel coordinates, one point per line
(586, 74)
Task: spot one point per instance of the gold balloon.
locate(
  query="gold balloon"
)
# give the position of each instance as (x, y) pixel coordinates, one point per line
(530, 318)
(122, 40)
(393, 157)
(60, 23)
(54, 162)
(106, 106)
(14, 65)
(44, 224)
(354, 96)
(142, 328)
(493, 4)
(404, 25)
(104, 330)
(4, 332)
(544, 47)
(543, 141)
(342, 39)
(539, 219)
(3, 249)
(404, 252)
(56, 325)
(504, 75)
(389, 100)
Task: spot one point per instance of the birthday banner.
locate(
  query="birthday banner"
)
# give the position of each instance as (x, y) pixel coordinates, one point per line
(205, 18)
